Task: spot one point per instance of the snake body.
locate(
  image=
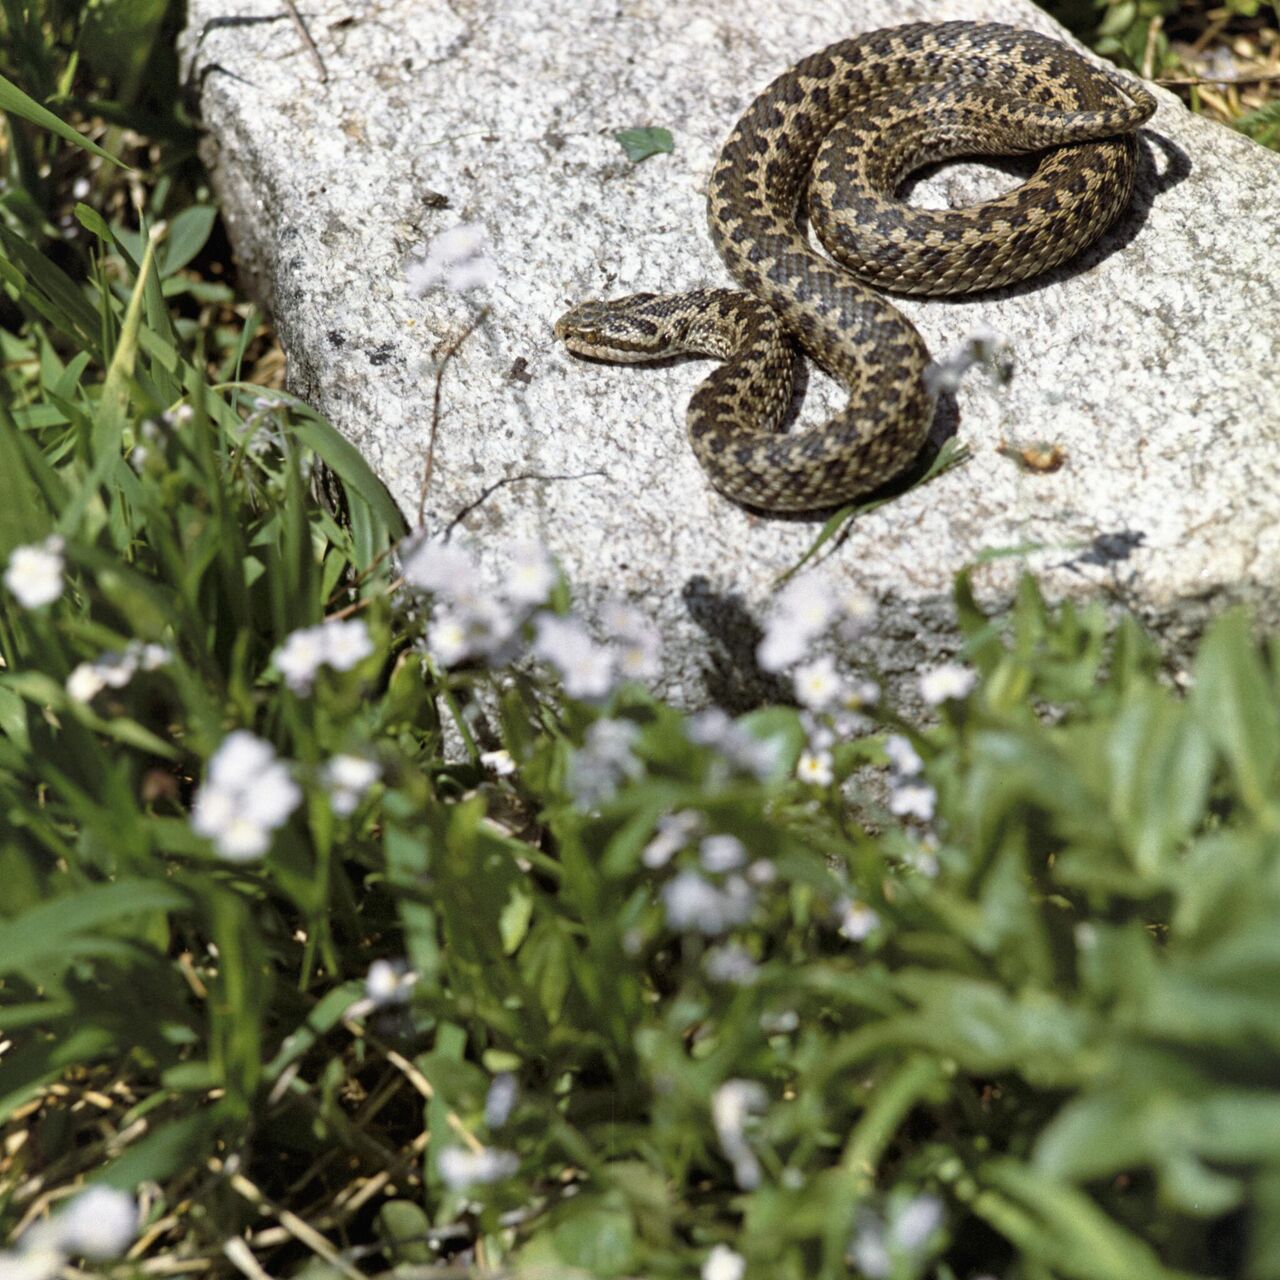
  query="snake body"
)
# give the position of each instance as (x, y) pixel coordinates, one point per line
(852, 121)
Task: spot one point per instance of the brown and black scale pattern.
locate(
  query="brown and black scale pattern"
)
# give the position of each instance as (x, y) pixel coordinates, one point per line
(854, 120)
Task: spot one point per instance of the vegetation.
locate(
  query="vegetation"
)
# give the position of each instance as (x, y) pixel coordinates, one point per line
(363, 914)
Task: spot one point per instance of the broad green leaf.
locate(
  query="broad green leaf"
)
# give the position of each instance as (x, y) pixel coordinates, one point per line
(1161, 763)
(188, 232)
(1236, 706)
(640, 144)
(63, 926)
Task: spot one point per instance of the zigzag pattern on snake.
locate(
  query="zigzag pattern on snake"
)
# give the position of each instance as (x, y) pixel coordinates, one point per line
(852, 122)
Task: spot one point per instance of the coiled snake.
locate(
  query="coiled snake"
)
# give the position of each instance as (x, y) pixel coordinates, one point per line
(854, 120)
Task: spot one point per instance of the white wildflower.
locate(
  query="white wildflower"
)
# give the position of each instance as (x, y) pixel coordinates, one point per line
(589, 675)
(388, 983)
(821, 737)
(731, 1105)
(866, 693)
(780, 1023)
(857, 607)
(807, 603)
(913, 800)
(114, 670)
(709, 728)
(151, 657)
(762, 872)
(531, 573)
(869, 1250)
(674, 832)
(730, 964)
(458, 259)
(500, 762)
(723, 1264)
(585, 668)
(803, 610)
(915, 1224)
(85, 682)
(300, 658)
(637, 642)
(604, 761)
(783, 644)
(691, 902)
(347, 643)
(500, 1100)
(817, 684)
(246, 796)
(99, 1223)
(271, 798)
(461, 1169)
(442, 568)
(447, 640)
(902, 755)
(347, 778)
(722, 853)
(743, 750)
(35, 573)
(239, 759)
(857, 921)
(338, 644)
(639, 657)
(816, 767)
(923, 861)
(34, 1262)
(947, 682)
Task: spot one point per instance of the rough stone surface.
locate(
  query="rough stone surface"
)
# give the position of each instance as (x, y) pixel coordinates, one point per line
(1150, 361)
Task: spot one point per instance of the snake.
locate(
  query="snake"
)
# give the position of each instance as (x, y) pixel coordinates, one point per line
(846, 126)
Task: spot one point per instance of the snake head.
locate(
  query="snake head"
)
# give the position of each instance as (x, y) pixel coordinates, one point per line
(624, 330)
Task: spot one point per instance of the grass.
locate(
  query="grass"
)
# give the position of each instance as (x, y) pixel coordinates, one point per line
(474, 957)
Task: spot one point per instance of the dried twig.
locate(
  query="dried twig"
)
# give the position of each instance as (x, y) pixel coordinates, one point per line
(305, 36)
(449, 352)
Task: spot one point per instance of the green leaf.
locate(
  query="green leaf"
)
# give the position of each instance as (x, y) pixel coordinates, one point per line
(1236, 706)
(640, 144)
(406, 1232)
(1161, 764)
(598, 1235)
(187, 235)
(12, 99)
(58, 927)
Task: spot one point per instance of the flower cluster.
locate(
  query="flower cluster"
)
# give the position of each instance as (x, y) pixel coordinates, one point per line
(722, 1263)
(114, 670)
(693, 902)
(910, 796)
(950, 682)
(347, 778)
(731, 1106)
(737, 746)
(247, 795)
(471, 619)
(899, 1243)
(338, 644)
(460, 1169)
(805, 610)
(603, 762)
(586, 669)
(99, 1223)
(35, 573)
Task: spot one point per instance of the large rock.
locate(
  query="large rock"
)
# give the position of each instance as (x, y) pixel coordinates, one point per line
(1149, 362)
